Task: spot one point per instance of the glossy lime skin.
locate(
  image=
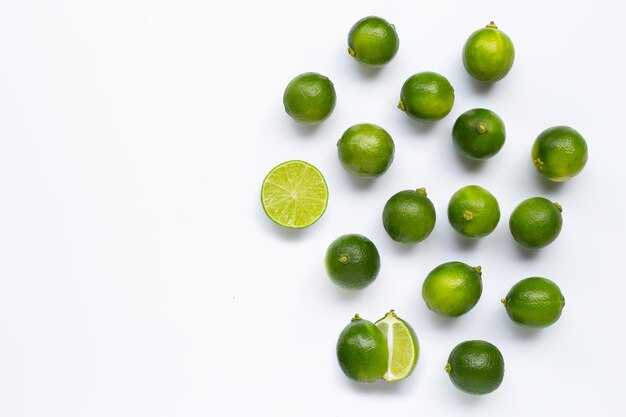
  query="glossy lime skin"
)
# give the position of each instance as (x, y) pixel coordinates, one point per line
(362, 351)
(409, 216)
(426, 96)
(536, 222)
(479, 134)
(559, 153)
(476, 367)
(534, 302)
(352, 261)
(366, 150)
(488, 54)
(309, 98)
(473, 212)
(452, 289)
(373, 41)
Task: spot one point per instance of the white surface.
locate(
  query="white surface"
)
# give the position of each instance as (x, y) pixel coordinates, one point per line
(139, 275)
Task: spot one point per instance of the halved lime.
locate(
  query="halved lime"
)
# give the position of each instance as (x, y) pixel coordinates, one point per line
(404, 349)
(294, 194)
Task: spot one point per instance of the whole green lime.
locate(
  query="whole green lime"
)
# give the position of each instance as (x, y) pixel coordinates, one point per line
(373, 41)
(362, 351)
(452, 289)
(426, 96)
(473, 212)
(559, 153)
(409, 216)
(352, 261)
(479, 133)
(476, 367)
(536, 222)
(488, 54)
(534, 302)
(366, 150)
(309, 98)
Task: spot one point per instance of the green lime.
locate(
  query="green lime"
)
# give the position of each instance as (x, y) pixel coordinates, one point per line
(309, 98)
(426, 96)
(294, 194)
(409, 216)
(473, 211)
(362, 351)
(536, 222)
(479, 133)
(373, 41)
(488, 54)
(352, 261)
(534, 302)
(559, 153)
(476, 367)
(366, 150)
(404, 348)
(452, 289)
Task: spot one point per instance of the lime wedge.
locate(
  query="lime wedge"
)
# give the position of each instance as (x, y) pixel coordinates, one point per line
(403, 346)
(294, 194)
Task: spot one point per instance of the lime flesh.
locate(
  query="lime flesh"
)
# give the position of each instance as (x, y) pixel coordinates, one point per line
(402, 344)
(294, 194)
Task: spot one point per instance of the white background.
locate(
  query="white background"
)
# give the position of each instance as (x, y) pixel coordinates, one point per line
(140, 276)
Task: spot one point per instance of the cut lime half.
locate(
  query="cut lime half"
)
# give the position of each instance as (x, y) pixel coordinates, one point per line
(294, 194)
(403, 346)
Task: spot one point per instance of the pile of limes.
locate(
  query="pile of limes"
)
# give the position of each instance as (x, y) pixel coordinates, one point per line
(294, 195)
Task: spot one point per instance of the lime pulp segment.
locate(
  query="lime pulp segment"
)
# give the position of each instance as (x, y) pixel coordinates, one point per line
(294, 194)
(403, 347)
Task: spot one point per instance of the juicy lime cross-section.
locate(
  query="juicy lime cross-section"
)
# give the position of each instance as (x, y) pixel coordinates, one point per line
(294, 194)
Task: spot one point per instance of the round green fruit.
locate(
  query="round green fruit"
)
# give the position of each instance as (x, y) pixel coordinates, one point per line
(366, 150)
(559, 153)
(488, 54)
(373, 41)
(409, 216)
(426, 97)
(479, 134)
(309, 98)
(362, 351)
(476, 367)
(534, 302)
(352, 261)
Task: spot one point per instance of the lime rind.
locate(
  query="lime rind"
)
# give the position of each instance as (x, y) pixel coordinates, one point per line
(402, 344)
(294, 194)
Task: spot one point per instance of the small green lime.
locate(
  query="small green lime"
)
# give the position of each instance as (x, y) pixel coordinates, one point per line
(362, 351)
(534, 302)
(426, 96)
(409, 216)
(536, 222)
(559, 153)
(366, 150)
(404, 348)
(476, 367)
(373, 41)
(294, 194)
(452, 289)
(352, 261)
(473, 211)
(309, 98)
(488, 54)
(479, 133)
